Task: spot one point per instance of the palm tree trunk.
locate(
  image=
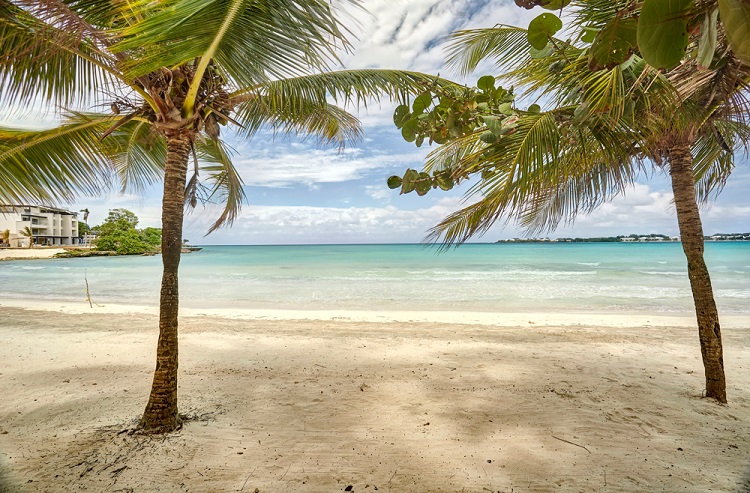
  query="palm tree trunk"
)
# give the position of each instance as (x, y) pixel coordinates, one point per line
(691, 231)
(161, 414)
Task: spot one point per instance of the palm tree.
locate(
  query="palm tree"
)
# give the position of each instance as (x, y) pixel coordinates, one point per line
(605, 127)
(6, 237)
(28, 233)
(171, 74)
(85, 215)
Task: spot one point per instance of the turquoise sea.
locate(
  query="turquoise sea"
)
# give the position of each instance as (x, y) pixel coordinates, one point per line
(581, 277)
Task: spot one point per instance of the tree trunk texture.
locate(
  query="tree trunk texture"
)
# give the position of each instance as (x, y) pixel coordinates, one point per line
(691, 232)
(161, 414)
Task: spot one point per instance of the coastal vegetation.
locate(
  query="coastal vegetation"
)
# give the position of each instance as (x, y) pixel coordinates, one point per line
(171, 75)
(623, 100)
(118, 233)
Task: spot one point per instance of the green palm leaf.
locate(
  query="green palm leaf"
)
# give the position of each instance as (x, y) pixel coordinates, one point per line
(54, 165)
(138, 154)
(344, 86)
(301, 104)
(39, 60)
(224, 183)
(251, 41)
(506, 46)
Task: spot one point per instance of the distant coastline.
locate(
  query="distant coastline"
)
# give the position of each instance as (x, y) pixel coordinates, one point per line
(632, 238)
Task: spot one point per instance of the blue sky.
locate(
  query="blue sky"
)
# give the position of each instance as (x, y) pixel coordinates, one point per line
(299, 193)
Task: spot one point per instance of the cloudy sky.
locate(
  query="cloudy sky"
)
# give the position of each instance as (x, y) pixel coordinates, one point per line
(298, 193)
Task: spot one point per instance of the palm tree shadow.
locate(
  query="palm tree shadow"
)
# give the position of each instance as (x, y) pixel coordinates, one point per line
(745, 482)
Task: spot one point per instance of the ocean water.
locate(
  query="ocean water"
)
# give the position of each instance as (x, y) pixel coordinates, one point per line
(580, 277)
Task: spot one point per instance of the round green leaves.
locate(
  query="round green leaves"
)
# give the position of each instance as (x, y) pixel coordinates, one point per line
(614, 44)
(735, 15)
(545, 4)
(542, 28)
(421, 182)
(662, 32)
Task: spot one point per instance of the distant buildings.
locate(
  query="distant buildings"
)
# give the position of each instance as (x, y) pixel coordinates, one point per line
(48, 225)
(650, 238)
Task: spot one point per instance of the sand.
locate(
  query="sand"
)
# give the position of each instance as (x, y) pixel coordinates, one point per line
(29, 253)
(367, 402)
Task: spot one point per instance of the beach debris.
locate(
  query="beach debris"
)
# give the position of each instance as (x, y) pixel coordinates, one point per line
(567, 441)
(88, 294)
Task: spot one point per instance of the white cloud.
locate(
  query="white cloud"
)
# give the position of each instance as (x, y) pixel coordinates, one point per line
(409, 34)
(378, 192)
(272, 167)
(642, 210)
(305, 224)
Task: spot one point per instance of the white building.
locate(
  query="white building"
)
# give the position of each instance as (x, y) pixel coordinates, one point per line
(49, 226)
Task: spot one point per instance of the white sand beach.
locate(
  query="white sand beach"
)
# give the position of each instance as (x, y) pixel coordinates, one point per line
(328, 402)
(28, 253)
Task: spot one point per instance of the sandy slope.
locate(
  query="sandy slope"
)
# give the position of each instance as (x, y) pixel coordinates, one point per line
(28, 253)
(318, 406)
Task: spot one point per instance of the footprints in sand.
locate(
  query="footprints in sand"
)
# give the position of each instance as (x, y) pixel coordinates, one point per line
(630, 418)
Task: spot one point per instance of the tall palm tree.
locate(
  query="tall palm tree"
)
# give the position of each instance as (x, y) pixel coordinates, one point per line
(606, 125)
(170, 74)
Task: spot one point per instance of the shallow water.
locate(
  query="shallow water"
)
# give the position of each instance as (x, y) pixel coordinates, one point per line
(601, 277)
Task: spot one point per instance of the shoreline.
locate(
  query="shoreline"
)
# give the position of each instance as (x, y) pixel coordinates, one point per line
(8, 254)
(489, 318)
(320, 405)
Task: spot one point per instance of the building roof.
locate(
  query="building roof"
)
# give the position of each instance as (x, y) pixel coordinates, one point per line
(54, 209)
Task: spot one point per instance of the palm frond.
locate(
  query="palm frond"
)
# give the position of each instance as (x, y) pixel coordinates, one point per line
(54, 165)
(343, 86)
(455, 154)
(714, 155)
(249, 41)
(547, 172)
(301, 104)
(506, 46)
(138, 154)
(52, 62)
(224, 183)
(324, 122)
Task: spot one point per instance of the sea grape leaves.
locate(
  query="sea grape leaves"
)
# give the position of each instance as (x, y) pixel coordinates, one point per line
(735, 15)
(401, 115)
(422, 102)
(545, 4)
(662, 32)
(409, 182)
(421, 182)
(541, 29)
(614, 44)
(486, 83)
(444, 114)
